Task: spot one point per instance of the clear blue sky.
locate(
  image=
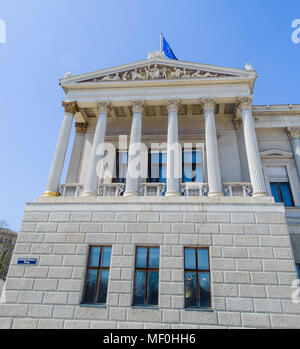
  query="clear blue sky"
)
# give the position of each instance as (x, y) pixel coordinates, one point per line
(46, 38)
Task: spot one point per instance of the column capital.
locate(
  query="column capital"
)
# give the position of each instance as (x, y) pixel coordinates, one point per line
(104, 107)
(244, 102)
(293, 132)
(173, 105)
(137, 106)
(208, 104)
(71, 107)
(80, 127)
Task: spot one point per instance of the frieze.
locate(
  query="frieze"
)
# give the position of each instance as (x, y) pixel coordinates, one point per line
(158, 72)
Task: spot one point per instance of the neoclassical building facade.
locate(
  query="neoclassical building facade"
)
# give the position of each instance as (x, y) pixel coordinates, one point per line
(180, 208)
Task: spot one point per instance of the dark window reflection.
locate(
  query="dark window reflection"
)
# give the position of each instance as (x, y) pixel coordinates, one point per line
(146, 276)
(197, 277)
(97, 275)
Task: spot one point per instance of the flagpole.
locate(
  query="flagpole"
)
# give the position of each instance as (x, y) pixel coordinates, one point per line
(161, 42)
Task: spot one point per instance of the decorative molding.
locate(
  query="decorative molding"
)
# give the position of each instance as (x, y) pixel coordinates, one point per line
(80, 127)
(208, 104)
(237, 123)
(244, 102)
(293, 132)
(104, 107)
(173, 105)
(158, 72)
(71, 107)
(138, 106)
(275, 154)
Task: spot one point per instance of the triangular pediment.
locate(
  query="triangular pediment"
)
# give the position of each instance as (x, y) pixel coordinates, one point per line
(275, 153)
(159, 68)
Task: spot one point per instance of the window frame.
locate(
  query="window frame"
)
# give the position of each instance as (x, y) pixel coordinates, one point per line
(193, 164)
(197, 277)
(159, 165)
(280, 194)
(298, 270)
(99, 269)
(116, 178)
(147, 270)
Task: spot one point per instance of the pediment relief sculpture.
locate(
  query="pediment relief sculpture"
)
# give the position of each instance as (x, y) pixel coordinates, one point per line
(158, 72)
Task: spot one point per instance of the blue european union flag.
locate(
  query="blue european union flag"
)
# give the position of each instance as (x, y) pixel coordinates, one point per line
(167, 50)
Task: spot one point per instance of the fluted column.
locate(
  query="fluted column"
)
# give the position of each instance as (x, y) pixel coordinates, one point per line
(73, 170)
(173, 176)
(294, 135)
(211, 145)
(97, 155)
(134, 154)
(253, 156)
(71, 108)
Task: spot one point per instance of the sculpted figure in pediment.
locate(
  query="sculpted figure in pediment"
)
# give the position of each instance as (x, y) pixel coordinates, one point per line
(125, 76)
(176, 74)
(116, 77)
(155, 72)
(135, 75)
(208, 74)
(107, 77)
(197, 74)
(185, 74)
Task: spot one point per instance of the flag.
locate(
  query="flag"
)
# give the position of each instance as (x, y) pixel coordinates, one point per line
(167, 49)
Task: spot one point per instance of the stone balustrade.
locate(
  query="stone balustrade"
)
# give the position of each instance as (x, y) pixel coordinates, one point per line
(242, 189)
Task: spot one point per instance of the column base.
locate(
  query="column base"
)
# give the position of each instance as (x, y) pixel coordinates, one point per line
(215, 193)
(88, 194)
(172, 193)
(130, 193)
(260, 193)
(50, 194)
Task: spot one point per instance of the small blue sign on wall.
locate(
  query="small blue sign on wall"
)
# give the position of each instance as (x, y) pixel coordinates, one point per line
(27, 260)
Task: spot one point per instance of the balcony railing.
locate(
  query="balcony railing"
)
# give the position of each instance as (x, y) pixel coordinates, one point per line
(237, 189)
(72, 189)
(152, 189)
(194, 189)
(158, 189)
(111, 189)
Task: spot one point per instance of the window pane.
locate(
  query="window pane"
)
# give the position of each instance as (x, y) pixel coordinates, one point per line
(190, 258)
(155, 158)
(140, 287)
(141, 257)
(123, 157)
(204, 286)
(286, 194)
(163, 157)
(187, 174)
(106, 252)
(154, 172)
(275, 192)
(90, 286)
(187, 157)
(298, 270)
(203, 258)
(103, 286)
(190, 289)
(198, 174)
(153, 257)
(162, 174)
(153, 288)
(199, 157)
(94, 257)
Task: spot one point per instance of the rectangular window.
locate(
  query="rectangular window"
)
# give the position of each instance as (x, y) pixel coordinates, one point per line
(197, 277)
(121, 166)
(97, 274)
(298, 270)
(192, 166)
(282, 193)
(146, 276)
